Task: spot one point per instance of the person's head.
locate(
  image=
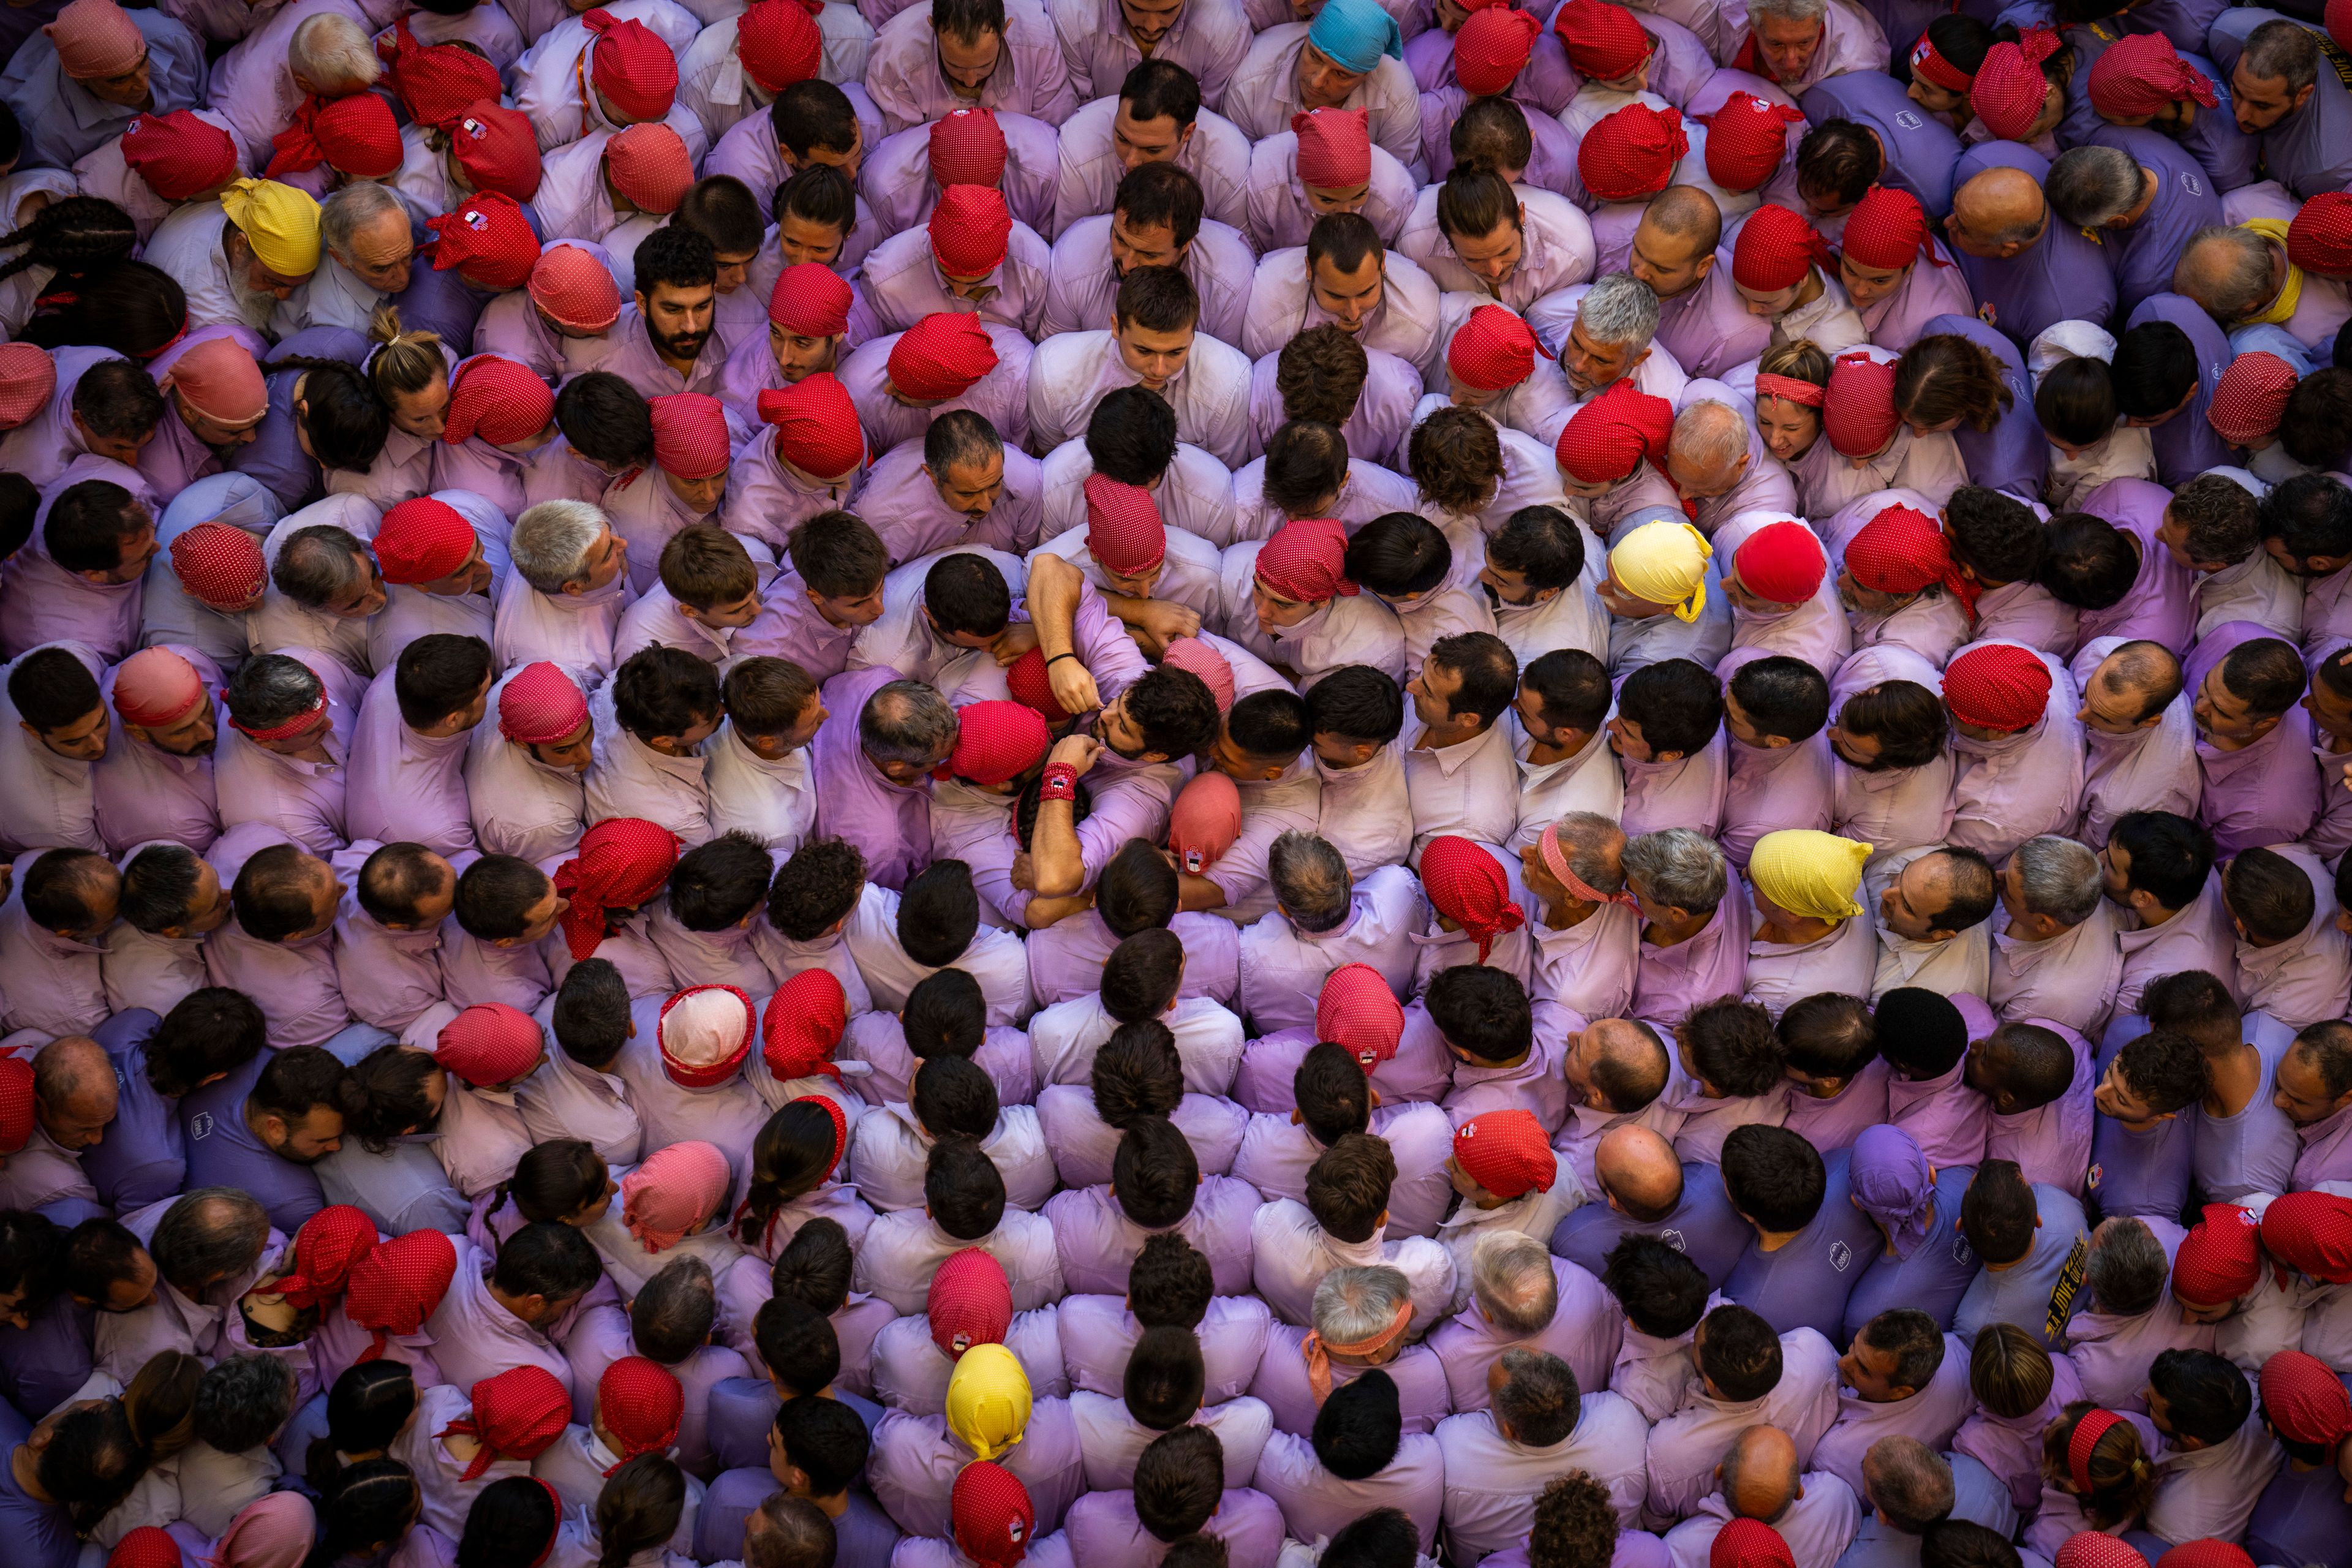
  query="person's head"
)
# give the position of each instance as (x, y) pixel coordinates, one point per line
(1678, 876)
(798, 1347)
(1153, 318)
(667, 698)
(1737, 1354)
(100, 1263)
(1774, 1178)
(242, 1401)
(2269, 898)
(815, 207)
(1776, 701)
(962, 1190)
(1786, 34)
(773, 705)
(2247, 691)
(2277, 70)
(1512, 1283)
(1536, 1399)
(1893, 725)
(1837, 163)
(1908, 1483)
(2076, 403)
(57, 703)
(207, 1034)
(1178, 1478)
(2020, 1067)
(1667, 712)
(101, 534)
(283, 895)
(2157, 862)
(707, 570)
(1481, 1013)
(2196, 1398)
(2153, 1079)
(2314, 1078)
(1945, 381)
(2009, 1371)
(1894, 1355)
(1674, 244)
(1825, 1039)
(542, 1271)
(2050, 886)
(2212, 523)
(2131, 689)
(1154, 1174)
(2000, 1215)
(675, 290)
(785, 1532)
(1159, 101)
(2307, 523)
(1997, 215)
(1455, 459)
(1664, 1293)
(1616, 1065)
(1708, 452)
(115, 409)
(2098, 187)
(1348, 1186)
(815, 890)
(295, 1108)
(569, 549)
(1164, 1378)
(209, 1235)
(1155, 216)
(1729, 1046)
(1610, 336)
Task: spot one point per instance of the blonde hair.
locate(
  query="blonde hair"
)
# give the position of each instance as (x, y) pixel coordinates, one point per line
(2008, 1370)
(403, 363)
(1799, 360)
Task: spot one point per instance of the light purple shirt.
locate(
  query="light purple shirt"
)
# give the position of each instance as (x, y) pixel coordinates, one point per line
(2013, 787)
(1096, 1243)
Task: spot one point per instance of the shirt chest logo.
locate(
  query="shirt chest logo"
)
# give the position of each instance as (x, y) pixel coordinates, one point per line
(201, 1124)
(1674, 1239)
(1840, 1256)
(1908, 120)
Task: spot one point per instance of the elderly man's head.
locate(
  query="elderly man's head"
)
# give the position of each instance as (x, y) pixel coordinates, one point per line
(1937, 895)
(1636, 1168)
(2233, 272)
(1709, 452)
(1610, 335)
(1758, 1473)
(906, 730)
(1997, 213)
(1590, 848)
(365, 230)
(74, 1092)
(1512, 1283)
(1788, 34)
(330, 55)
(2050, 886)
(1364, 1306)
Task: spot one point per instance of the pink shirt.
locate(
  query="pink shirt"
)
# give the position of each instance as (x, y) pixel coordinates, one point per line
(1097, 1242)
(1557, 237)
(1208, 41)
(904, 284)
(1263, 94)
(911, 1373)
(1282, 1383)
(1072, 371)
(474, 1338)
(904, 79)
(1278, 213)
(1586, 1330)
(1084, 1146)
(2148, 769)
(1283, 968)
(913, 520)
(2050, 1143)
(1590, 967)
(1085, 282)
(1684, 1446)
(895, 177)
(2012, 788)
(1780, 973)
(2198, 936)
(1491, 1480)
(2308, 976)
(1216, 155)
(1098, 1334)
(405, 785)
(1686, 793)
(1929, 289)
(2068, 979)
(387, 977)
(1001, 396)
(629, 778)
(2012, 1449)
(294, 983)
(903, 1250)
(1275, 1153)
(1412, 320)
(1671, 981)
(1317, 1504)
(1105, 1533)
(1066, 959)
(1770, 790)
(1818, 1526)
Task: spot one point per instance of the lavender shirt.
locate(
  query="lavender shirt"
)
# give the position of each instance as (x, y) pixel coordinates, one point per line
(2185, 442)
(2062, 276)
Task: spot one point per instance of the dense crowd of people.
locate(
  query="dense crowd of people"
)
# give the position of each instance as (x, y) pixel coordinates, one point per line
(950, 784)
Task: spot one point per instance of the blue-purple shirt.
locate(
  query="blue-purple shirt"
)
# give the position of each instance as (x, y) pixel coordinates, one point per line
(1805, 1284)
(1920, 150)
(2061, 277)
(1937, 1274)
(1704, 1226)
(2187, 444)
(39, 1534)
(143, 1159)
(275, 457)
(2309, 150)
(2014, 457)
(41, 1366)
(2185, 202)
(864, 1537)
(2139, 1170)
(224, 1152)
(2301, 1517)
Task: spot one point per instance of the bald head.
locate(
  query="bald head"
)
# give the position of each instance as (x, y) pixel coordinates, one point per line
(1620, 1065)
(1686, 214)
(73, 1090)
(1639, 1172)
(2132, 687)
(1759, 1474)
(2231, 272)
(1999, 213)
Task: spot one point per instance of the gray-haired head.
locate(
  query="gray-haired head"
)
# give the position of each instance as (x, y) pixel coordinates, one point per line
(270, 689)
(2059, 877)
(1512, 1281)
(1618, 310)
(1710, 438)
(1310, 880)
(210, 1235)
(1356, 1302)
(2127, 1268)
(907, 722)
(2233, 272)
(318, 565)
(2091, 187)
(357, 207)
(329, 54)
(1677, 867)
(551, 542)
(1594, 847)
(1789, 10)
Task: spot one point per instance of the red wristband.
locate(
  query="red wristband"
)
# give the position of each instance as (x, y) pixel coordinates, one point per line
(1060, 782)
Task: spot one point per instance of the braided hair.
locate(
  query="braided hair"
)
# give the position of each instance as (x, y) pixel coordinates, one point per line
(71, 235)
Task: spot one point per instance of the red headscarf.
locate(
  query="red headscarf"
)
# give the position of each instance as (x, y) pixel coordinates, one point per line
(148, 1546)
(971, 229)
(690, 435)
(1900, 550)
(969, 1302)
(641, 1404)
(356, 134)
(991, 1515)
(423, 539)
(1629, 155)
(1603, 41)
(816, 425)
(399, 1284)
(2141, 73)
(2311, 1234)
(1335, 148)
(1506, 1152)
(489, 1044)
(1998, 686)
(1858, 416)
(622, 862)
(1749, 1544)
(997, 742)
(541, 705)
(331, 1243)
(1306, 560)
(1492, 48)
(2009, 89)
(2304, 1400)
(966, 148)
(1746, 139)
(219, 564)
(648, 164)
(2251, 397)
(1610, 436)
(2095, 1548)
(944, 355)
(631, 67)
(1781, 563)
(779, 43)
(811, 299)
(1888, 229)
(570, 285)
(2320, 238)
(28, 379)
(1124, 529)
(2221, 1259)
(1357, 1009)
(497, 149)
(517, 1414)
(1467, 885)
(435, 81)
(488, 239)
(1493, 349)
(704, 1034)
(1775, 249)
(805, 1020)
(500, 399)
(178, 155)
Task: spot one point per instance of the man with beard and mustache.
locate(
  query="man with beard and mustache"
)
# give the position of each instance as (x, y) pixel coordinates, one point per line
(265, 1125)
(662, 334)
(172, 900)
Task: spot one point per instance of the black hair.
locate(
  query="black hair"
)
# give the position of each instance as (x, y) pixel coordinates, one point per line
(1782, 696)
(1171, 1281)
(963, 1189)
(1773, 1176)
(1482, 1012)
(51, 688)
(1273, 724)
(1677, 703)
(662, 691)
(1154, 1174)
(966, 594)
(606, 419)
(677, 257)
(1132, 436)
(1398, 554)
(1664, 1293)
(1359, 1427)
